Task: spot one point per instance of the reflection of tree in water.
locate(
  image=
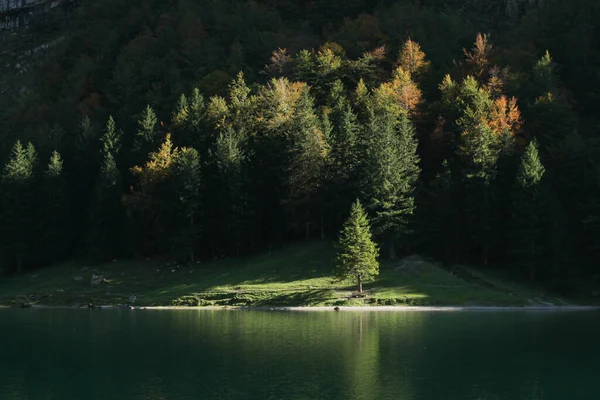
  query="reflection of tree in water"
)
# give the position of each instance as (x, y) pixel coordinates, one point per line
(223, 355)
(363, 357)
(374, 366)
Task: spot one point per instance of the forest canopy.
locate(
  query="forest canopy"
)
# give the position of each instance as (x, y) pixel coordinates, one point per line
(467, 129)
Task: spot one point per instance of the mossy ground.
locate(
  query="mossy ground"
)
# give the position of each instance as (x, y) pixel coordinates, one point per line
(299, 275)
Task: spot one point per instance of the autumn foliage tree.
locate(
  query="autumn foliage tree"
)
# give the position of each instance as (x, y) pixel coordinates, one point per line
(232, 156)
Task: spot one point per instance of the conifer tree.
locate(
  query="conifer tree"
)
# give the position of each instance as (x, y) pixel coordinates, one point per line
(19, 168)
(85, 142)
(392, 172)
(18, 209)
(363, 101)
(189, 120)
(309, 149)
(553, 118)
(81, 166)
(544, 74)
(147, 136)
(270, 153)
(480, 151)
(367, 68)
(185, 232)
(231, 202)
(305, 67)
(149, 203)
(357, 255)
(53, 213)
(478, 58)
(105, 231)
(111, 139)
(530, 214)
(344, 163)
(242, 105)
(400, 96)
(443, 216)
(412, 59)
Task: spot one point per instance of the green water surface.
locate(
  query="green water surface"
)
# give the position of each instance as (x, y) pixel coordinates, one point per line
(252, 355)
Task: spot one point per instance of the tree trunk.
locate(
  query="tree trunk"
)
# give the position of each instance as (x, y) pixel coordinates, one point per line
(360, 290)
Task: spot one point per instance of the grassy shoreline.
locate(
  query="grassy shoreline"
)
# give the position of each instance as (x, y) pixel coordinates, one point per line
(296, 276)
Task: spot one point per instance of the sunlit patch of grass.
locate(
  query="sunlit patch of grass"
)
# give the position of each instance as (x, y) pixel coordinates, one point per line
(293, 276)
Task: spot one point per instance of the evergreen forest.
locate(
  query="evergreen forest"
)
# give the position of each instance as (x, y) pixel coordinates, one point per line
(468, 130)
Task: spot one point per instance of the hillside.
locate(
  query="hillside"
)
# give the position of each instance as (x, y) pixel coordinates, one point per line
(195, 130)
(298, 275)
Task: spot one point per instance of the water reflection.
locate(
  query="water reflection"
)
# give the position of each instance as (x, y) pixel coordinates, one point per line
(207, 354)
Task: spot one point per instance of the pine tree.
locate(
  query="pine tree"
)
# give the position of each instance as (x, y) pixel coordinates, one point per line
(147, 136)
(17, 215)
(81, 167)
(530, 214)
(367, 68)
(480, 151)
(308, 156)
(344, 163)
(392, 172)
(185, 232)
(105, 230)
(19, 169)
(552, 118)
(105, 233)
(53, 213)
(189, 120)
(507, 165)
(363, 101)
(111, 139)
(242, 105)
(305, 67)
(231, 202)
(544, 74)
(86, 137)
(443, 216)
(357, 255)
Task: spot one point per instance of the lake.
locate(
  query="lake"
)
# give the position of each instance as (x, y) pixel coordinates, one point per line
(241, 354)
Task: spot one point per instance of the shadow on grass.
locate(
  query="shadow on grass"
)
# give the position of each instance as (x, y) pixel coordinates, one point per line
(296, 275)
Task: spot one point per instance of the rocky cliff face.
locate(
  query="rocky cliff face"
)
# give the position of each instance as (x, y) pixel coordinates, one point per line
(16, 13)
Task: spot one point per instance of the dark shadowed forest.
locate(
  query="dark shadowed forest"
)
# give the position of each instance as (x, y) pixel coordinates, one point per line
(468, 129)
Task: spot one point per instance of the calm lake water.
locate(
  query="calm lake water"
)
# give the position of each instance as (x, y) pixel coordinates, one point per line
(176, 355)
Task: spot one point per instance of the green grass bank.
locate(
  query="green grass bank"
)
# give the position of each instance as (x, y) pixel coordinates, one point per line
(299, 275)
